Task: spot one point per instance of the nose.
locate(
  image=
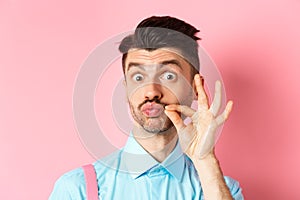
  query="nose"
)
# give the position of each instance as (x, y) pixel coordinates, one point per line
(152, 91)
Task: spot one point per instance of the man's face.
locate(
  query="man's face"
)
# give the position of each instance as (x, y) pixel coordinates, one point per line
(155, 79)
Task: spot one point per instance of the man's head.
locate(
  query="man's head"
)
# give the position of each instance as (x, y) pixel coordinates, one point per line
(159, 62)
(160, 32)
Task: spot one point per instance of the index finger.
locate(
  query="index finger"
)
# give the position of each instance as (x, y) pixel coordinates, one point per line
(202, 97)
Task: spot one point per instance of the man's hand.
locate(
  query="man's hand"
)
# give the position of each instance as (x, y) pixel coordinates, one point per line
(198, 138)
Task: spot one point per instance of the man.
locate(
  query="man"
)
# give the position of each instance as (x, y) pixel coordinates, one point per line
(163, 158)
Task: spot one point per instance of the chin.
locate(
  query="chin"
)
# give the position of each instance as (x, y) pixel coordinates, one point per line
(156, 130)
(157, 126)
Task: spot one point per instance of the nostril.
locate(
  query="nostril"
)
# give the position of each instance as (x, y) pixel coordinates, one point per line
(155, 100)
(152, 92)
(152, 97)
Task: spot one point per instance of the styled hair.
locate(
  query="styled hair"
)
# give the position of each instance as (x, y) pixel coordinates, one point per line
(164, 31)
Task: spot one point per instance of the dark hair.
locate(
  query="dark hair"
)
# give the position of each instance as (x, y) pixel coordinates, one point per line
(165, 31)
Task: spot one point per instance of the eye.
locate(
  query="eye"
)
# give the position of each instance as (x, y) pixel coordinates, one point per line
(169, 76)
(138, 77)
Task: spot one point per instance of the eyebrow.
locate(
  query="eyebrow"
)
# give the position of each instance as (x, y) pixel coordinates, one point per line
(172, 62)
(166, 62)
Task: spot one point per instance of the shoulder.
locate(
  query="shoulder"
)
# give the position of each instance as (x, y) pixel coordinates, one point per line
(75, 176)
(234, 187)
(231, 183)
(69, 186)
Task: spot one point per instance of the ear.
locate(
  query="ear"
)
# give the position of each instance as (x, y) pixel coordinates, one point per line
(195, 93)
(125, 85)
(195, 96)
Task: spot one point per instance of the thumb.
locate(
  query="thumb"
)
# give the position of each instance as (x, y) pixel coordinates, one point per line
(176, 119)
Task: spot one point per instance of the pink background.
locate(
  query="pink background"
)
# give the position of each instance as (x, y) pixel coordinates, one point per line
(255, 44)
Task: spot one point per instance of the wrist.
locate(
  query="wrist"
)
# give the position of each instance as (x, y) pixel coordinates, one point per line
(208, 159)
(208, 167)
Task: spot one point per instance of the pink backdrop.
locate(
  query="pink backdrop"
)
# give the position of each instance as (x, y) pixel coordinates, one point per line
(255, 44)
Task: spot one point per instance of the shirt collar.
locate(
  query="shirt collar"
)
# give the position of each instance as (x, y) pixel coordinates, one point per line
(136, 161)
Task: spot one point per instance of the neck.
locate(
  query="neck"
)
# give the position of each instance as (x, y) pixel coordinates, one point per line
(159, 146)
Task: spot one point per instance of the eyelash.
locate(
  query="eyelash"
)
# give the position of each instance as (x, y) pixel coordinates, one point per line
(137, 75)
(162, 76)
(166, 73)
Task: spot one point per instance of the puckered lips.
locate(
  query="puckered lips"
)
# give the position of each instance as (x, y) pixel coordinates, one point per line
(152, 109)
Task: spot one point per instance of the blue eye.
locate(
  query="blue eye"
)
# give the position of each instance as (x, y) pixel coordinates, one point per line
(169, 76)
(138, 77)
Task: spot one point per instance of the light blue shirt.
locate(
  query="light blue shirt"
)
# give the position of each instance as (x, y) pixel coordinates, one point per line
(133, 174)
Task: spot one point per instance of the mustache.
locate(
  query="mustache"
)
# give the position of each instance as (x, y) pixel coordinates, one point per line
(152, 100)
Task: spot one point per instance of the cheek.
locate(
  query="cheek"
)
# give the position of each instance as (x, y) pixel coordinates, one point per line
(180, 92)
(179, 95)
(134, 96)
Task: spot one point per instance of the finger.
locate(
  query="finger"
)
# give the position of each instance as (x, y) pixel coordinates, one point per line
(222, 118)
(202, 97)
(176, 119)
(185, 110)
(216, 104)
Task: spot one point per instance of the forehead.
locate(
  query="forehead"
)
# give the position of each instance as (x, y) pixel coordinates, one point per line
(146, 57)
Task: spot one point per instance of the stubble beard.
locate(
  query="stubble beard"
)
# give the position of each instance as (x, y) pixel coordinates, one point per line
(154, 125)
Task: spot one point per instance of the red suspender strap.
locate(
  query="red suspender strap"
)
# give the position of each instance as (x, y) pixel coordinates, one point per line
(91, 182)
